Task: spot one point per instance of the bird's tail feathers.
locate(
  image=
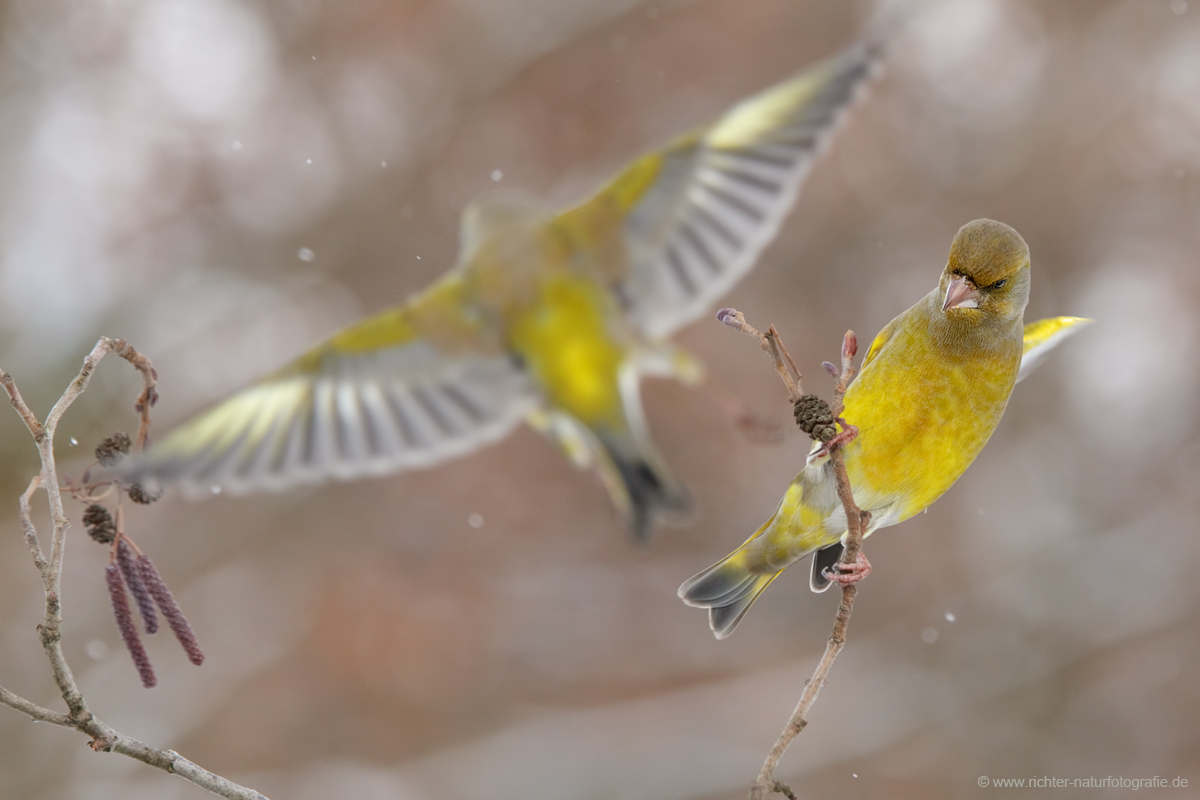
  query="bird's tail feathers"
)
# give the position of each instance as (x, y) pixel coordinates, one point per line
(637, 480)
(642, 488)
(728, 588)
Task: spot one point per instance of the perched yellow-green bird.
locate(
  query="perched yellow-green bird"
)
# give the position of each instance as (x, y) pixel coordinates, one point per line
(931, 391)
(547, 317)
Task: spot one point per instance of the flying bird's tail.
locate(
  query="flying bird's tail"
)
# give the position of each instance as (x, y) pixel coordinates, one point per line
(638, 482)
(642, 487)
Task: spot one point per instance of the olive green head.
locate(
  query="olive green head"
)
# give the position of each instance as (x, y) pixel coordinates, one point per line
(987, 275)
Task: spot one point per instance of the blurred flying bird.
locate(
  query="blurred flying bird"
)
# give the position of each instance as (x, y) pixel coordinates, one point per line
(547, 317)
(931, 391)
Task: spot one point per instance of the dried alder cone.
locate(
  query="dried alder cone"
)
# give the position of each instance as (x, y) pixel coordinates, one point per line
(99, 524)
(113, 450)
(815, 418)
(104, 527)
(932, 388)
(143, 496)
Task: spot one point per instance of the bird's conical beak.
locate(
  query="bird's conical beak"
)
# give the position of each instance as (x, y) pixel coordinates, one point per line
(961, 293)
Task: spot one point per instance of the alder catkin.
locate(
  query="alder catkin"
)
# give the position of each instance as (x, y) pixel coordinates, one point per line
(125, 624)
(170, 609)
(132, 573)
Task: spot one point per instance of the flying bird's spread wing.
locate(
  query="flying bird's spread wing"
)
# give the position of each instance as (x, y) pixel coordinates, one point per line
(695, 216)
(406, 388)
(1043, 336)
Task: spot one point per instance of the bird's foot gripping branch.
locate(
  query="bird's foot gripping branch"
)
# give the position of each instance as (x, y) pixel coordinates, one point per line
(820, 420)
(933, 386)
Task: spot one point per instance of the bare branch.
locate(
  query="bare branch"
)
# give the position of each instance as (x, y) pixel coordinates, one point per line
(857, 522)
(149, 396)
(105, 739)
(171, 762)
(31, 539)
(777, 342)
(103, 347)
(79, 717)
(770, 343)
(33, 710)
(14, 396)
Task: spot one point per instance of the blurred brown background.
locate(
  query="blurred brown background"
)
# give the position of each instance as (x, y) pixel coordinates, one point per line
(223, 183)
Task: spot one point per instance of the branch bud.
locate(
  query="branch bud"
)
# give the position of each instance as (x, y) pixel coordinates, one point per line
(731, 317)
(849, 346)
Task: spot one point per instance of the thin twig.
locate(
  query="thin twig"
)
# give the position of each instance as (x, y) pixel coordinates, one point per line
(18, 403)
(79, 717)
(145, 401)
(857, 522)
(773, 335)
(770, 343)
(105, 739)
(35, 547)
(33, 710)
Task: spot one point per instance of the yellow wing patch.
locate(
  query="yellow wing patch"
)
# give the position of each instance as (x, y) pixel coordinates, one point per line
(441, 315)
(1043, 336)
(762, 116)
(407, 388)
(690, 220)
(631, 185)
(880, 340)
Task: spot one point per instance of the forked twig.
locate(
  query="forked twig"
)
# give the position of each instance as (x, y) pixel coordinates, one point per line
(78, 716)
(770, 342)
(857, 522)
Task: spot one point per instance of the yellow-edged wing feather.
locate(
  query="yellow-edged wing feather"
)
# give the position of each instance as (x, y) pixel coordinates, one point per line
(1043, 336)
(880, 340)
(406, 388)
(695, 216)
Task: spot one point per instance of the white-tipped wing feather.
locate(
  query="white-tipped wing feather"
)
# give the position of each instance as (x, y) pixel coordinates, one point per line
(1043, 336)
(700, 212)
(345, 412)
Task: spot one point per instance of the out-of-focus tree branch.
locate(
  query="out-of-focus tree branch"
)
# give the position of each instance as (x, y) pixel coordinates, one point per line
(79, 717)
(857, 521)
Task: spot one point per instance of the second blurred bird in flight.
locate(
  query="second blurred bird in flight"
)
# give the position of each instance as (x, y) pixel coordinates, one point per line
(547, 317)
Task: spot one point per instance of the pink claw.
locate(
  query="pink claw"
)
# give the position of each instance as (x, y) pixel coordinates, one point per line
(847, 574)
(843, 437)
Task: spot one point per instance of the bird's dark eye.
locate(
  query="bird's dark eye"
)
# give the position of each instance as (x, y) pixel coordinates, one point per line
(998, 283)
